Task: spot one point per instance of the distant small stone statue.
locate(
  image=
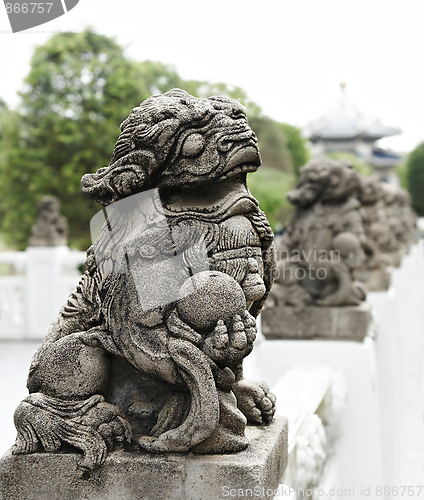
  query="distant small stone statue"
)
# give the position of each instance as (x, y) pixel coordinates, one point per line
(323, 243)
(401, 219)
(51, 229)
(390, 226)
(148, 350)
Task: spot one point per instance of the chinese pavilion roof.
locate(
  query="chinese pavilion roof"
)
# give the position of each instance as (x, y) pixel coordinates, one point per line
(345, 122)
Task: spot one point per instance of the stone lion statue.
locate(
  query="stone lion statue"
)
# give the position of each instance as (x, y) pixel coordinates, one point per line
(148, 350)
(324, 241)
(51, 228)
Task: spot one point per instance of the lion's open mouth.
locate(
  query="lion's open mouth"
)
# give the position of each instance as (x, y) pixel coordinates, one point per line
(241, 169)
(242, 160)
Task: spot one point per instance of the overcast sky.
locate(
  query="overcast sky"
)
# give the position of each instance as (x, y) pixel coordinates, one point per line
(289, 56)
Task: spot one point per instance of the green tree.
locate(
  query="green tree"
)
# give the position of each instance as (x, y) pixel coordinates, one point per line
(79, 89)
(296, 145)
(415, 175)
(270, 186)
(272, 144)
(360, 166)
(402, 172)
(3, 112)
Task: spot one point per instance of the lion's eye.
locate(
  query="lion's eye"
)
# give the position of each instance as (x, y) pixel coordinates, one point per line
(193, 146)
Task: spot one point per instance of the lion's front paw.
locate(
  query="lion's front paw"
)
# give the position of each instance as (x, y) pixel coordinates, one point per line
(255, 400)
(106, 419)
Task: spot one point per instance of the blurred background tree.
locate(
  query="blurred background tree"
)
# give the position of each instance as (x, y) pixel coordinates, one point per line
(415, 178)
(79, 89)
(358, 165)
(283, 152)
(272, 144)
(402, 172)
(296, 144)
(269, 186)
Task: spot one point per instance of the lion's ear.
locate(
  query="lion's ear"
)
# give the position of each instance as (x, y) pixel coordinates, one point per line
(129, 175)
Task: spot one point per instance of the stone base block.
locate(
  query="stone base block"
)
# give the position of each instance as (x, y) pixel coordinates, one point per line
(376, 280)
(314, 322)
(136, 476)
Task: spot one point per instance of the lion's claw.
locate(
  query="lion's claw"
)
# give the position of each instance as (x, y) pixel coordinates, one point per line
(255, 400)
(113, 428)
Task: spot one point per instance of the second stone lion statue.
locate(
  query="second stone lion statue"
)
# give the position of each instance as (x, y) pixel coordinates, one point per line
(324, 242)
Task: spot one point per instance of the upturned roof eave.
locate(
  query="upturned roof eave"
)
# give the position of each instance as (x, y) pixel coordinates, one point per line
(317, 136)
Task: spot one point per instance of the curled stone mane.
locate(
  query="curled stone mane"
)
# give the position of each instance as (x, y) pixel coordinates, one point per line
(151, 139)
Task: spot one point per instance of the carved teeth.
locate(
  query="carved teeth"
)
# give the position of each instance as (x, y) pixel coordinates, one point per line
(246, 167)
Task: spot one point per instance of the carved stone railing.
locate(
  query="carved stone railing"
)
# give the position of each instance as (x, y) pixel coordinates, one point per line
(384, 377)
(314, 401)
(399, 317)
(12, 319)
(31, 299)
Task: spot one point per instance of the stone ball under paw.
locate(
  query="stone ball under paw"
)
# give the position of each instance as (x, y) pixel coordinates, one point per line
(208, 297)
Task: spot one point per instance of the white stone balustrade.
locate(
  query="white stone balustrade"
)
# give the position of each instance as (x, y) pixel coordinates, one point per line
(29, 302)
(399, 319)
(314, 401)
(380, 441)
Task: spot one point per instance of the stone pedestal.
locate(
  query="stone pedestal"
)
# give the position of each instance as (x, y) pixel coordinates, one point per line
(136, 476)
(376, 280)
(314, 322)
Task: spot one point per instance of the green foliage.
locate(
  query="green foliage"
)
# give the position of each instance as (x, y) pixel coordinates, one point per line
(272, 144)
(358, 165)
(269, 186)
(79, 89)
(402, 172)
(296, 145)
(415, 175)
